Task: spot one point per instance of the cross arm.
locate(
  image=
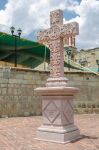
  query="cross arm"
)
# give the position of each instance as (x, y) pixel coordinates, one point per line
(43, 36)
(70, 29)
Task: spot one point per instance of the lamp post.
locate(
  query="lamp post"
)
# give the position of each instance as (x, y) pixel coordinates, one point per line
(97, 61)
(19, 31)
(68, 51)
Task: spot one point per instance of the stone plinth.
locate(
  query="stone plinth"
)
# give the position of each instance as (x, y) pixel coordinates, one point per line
(58, 116)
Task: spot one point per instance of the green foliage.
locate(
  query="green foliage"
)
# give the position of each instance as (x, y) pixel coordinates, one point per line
(83, 105)
(93, 106)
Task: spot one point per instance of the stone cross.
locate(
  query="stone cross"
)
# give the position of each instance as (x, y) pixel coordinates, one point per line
(54, 37)
(57, 97)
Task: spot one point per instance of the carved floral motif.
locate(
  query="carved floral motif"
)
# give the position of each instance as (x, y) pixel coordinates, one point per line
(54, 36)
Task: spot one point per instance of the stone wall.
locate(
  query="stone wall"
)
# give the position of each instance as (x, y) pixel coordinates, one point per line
(87, 100)
(17, 97)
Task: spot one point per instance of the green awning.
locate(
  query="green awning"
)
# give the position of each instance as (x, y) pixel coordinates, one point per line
(29, 53)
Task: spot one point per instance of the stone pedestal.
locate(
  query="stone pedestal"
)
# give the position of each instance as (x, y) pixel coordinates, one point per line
(58, 116)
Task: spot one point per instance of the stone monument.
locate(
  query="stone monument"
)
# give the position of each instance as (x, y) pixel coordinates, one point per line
(57, 96)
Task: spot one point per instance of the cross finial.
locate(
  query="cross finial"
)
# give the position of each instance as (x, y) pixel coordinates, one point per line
(56, 17)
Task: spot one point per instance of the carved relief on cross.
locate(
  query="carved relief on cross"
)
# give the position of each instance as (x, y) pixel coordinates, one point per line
(54, 37)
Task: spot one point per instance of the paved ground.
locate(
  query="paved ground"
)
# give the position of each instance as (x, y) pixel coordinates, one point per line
(20, 133)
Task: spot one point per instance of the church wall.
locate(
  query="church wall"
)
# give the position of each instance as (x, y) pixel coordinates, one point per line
(17, 96)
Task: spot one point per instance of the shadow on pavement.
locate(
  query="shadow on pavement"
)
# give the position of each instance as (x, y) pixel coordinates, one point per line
(84, 137)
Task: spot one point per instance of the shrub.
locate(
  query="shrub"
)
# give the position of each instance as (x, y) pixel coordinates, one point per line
(93, 106)
(83, 105)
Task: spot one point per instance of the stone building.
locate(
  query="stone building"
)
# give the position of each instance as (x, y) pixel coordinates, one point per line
(88, 58)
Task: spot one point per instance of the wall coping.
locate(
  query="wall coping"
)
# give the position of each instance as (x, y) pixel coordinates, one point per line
(40, 71)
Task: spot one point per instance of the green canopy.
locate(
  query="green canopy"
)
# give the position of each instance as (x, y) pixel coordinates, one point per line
(29, 53)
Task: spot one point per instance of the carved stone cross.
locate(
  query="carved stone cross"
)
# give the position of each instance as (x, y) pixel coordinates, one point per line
(54, 37)
(57, 97)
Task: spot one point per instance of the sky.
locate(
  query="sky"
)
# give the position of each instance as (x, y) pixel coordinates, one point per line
(33, 15)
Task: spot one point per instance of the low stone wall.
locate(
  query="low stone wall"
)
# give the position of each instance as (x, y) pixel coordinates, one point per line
(17, 96)
(87, 100)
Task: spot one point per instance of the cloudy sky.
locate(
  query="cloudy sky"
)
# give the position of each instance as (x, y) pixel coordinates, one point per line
(33, 15)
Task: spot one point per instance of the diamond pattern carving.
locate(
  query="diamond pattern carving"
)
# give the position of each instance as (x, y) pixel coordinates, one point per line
(51, 111)
(68, 112)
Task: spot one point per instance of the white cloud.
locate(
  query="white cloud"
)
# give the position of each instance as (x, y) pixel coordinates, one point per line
(29, 15)
(33, 15)
(89, 24)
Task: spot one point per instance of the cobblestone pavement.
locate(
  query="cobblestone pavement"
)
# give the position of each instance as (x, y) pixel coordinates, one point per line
(20, 133)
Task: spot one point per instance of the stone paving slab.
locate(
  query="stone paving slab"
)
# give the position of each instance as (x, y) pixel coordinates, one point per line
(20, 133)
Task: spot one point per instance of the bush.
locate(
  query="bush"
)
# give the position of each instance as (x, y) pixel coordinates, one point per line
(93, 106)
(83, 105)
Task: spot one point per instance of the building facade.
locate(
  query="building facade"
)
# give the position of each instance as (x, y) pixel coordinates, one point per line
(88, 58)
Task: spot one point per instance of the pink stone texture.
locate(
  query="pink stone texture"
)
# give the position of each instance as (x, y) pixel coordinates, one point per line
(54, 36)
(57, 97)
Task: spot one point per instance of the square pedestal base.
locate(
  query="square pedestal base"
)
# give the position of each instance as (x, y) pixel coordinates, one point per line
(58, 134)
